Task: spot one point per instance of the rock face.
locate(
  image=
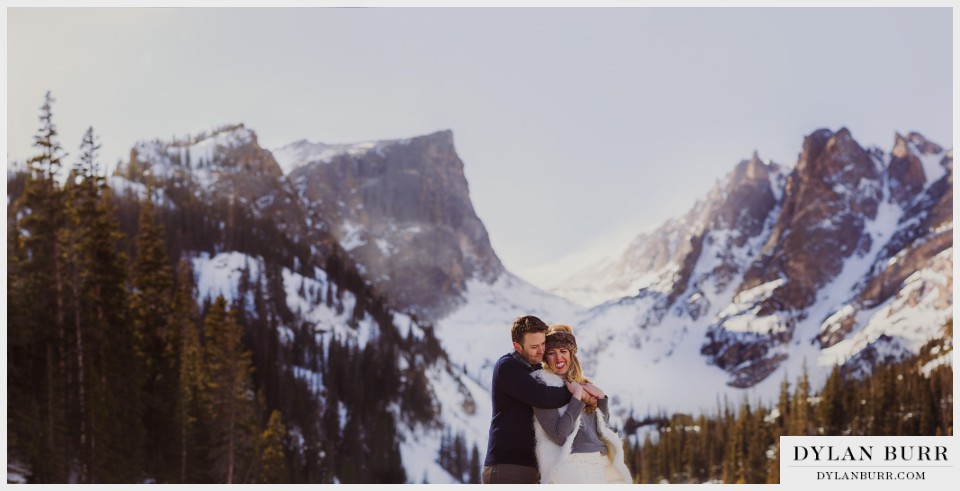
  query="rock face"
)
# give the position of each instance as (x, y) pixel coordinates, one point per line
(833, 191)
(227, 165)
(402, 209)
(846, 253)
(662, 260)
(829, 225)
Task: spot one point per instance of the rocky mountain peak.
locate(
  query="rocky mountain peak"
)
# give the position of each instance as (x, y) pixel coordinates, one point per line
(207, 156)
(227, 165)
(402, 209)
(749, 198)
(917, 141)
(834, 187)
(831, 196)
(813, 145)
(905, 172)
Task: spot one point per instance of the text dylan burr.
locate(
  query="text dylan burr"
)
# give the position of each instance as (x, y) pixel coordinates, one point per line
(890, 453)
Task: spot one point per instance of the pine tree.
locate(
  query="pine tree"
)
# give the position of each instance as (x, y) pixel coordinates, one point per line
(272, 459)
(649, 467)
(157, 344)
(800, 420)
(229, 399)
(106, 375)
(351, 464)
(831, 411)
(190, 376)
(331, 419)
(38, 343)
(783, 405)
(475, 466)
(758, 442)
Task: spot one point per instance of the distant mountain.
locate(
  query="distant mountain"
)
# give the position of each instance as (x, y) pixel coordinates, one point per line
(402, 209)
(226, 164)
(740, 205)
(844, 259)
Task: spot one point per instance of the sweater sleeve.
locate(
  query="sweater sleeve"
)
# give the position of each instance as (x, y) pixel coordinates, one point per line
(517, 383)
(603, 406)
(559, 426)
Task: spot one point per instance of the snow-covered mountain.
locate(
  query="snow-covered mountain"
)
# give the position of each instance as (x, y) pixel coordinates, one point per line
(415, 194)
(739, 206)
(402, 209)
(226, 164)
(845, 257)
(776, 269)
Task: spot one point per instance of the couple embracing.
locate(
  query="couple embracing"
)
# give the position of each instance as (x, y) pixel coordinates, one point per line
(549, 422)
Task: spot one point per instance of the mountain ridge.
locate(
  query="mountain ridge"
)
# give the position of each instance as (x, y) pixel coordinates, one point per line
(710, 294)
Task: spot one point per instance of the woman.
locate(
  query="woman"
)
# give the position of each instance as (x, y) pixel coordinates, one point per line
(574, 443)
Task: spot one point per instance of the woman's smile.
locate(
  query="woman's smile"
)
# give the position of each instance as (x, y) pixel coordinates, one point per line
(558, 360)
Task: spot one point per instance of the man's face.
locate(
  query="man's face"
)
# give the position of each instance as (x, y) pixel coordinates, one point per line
(532, 347)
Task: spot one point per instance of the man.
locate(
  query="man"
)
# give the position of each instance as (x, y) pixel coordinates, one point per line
(510, 448)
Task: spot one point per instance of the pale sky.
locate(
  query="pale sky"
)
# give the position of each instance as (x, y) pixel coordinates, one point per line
(578, 128)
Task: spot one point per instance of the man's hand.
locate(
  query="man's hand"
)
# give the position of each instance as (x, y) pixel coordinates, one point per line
(594, 391)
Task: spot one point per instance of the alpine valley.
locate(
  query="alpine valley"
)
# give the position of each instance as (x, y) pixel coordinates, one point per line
(342, 258)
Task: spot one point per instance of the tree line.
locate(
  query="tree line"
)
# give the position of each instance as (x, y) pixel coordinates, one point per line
(452, 457)
(741, 445)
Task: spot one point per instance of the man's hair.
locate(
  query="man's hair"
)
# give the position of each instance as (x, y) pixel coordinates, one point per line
(525, 324)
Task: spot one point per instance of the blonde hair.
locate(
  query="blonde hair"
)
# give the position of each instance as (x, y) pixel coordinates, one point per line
(575, 372)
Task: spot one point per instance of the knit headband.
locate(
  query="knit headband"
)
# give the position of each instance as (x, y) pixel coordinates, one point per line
(561, 339)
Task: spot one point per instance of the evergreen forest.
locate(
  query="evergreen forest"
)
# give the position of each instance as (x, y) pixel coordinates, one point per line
(739, 443)
(119, 373)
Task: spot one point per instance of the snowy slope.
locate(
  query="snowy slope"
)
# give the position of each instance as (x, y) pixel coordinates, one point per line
(197, 156)
(304, 152)
(220, 275)
(464, 405)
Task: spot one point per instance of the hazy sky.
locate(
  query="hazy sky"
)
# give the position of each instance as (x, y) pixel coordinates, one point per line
(578, 128)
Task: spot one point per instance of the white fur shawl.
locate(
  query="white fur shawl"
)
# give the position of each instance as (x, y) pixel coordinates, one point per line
(550, 456)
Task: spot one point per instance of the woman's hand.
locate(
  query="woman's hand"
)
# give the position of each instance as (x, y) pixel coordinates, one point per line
(576, 390)
(594, 391)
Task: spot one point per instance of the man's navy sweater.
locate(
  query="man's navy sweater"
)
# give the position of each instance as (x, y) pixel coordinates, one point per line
(514, 391)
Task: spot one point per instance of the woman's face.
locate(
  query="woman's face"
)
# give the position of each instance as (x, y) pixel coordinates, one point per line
(558, 360)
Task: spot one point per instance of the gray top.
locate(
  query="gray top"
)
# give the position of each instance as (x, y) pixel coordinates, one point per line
(559, 426)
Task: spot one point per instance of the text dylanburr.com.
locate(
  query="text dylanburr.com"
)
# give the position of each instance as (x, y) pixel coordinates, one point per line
(884, 461)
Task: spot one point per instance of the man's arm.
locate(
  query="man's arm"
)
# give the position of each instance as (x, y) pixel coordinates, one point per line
(517, 383)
